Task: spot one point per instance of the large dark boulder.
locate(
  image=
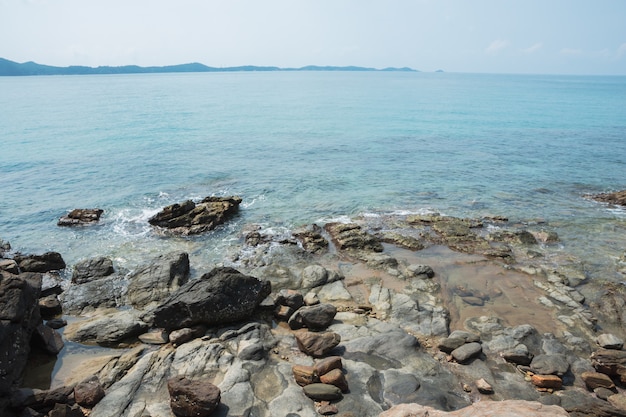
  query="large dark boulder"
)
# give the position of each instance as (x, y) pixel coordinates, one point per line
(19, 316)
(158, 279)
(193, 397)
(189, 218)
(92, 269)
(223, 295)
(49, 261)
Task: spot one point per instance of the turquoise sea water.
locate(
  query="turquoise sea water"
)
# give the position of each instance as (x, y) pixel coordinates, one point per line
(303, 147)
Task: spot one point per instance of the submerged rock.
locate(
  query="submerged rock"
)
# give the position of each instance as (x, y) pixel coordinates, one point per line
(221, 296)
(190, 218)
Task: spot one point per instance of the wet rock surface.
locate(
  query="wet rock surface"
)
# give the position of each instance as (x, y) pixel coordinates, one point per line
(331, 320)
(81, 217)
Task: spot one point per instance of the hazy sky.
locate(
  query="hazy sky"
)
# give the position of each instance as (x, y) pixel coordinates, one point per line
(516, 36)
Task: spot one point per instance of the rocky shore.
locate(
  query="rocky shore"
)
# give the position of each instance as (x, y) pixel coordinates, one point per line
(406, 315)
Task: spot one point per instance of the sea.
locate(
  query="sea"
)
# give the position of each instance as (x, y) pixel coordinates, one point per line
(308, 147)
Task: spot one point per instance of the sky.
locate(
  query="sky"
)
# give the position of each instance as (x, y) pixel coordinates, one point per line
(484, 36)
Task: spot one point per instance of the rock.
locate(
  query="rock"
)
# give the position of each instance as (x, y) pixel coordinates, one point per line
(221, 296)
(468, 337)
(327, 409)
(19, 316)
(519, 355)
(322, 392)
(154, 337)
(290, 298)
(400, 387)
(88, 392)
(41, 400)
(50, 306)
(603, 393)
(81, 217)
(155, 281)
(107, 329)
(617, 198)
(65, 410)
(56, 323)
(407, 242)
(317, 317)
(10, 266)
(317, 344)
(335, 377)
(314, 276)
(311, 239)
(555, 364)
(350, 236)
(611, 362)
(328, 364)
(421, 270)
(193, 397)
(579, 405)
(546, 381)
(48, 339)
(304, 374)
(283, 313)
(184, 335)
(483, 386)
(466, 352)
(610, 341)
(92, 269)
(595, 380)
(190, 218)
(618, 401)
(49, 261)
(101, 293)
(509, 408)
(448, 344)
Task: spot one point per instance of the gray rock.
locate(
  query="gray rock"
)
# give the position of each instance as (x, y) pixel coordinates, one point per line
(421, 270)
(91, 269)
(158, 279)
(399, 387)
(316, 317)
(322, 392)
(450, 343)
(466, 352)
(81, 217)
(49, 261)
(468, 337)
(154, 337)
(89, 392)
(550, 364)
(108, 329)
(221, 296)
(610, 341)
(314, 276)
(102, 293)
(317, 344)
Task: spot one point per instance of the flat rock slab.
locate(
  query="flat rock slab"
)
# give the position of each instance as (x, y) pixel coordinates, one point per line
(322, 392)
(189, 218)
(618, 197)
(81, 217)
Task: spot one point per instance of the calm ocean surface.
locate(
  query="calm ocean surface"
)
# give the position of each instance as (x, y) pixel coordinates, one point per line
(303, 147)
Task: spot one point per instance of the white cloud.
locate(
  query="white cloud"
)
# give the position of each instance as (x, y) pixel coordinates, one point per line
(571, 51)
(496, 46)
(533, 48)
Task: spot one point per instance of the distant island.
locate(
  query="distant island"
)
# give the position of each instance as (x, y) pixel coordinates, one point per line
(11, 68)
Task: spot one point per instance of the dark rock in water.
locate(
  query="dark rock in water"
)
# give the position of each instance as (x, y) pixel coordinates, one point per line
(48, 339)
(311, 239)
(190, 218)
(91, 269)
(317, 344)
(221, 296)
(56, 323)
(193, 397)
(350, 236)
(618, 197)
(41, 400)
(50, 306)
(49, 261)
(316, 317)
(88, 392)
(19, 316)
(80, 217)
(157, 280)
(9, 265)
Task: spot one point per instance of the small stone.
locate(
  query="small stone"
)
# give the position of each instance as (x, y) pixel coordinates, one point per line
(484, 387)
(50, 306)
(311, 299)
(322, 392)
(327, 409)
(610, 341)
(450, 343)
(603, 393)
(317, 317)
(304, 375)
(468, 337)
(467, 352)
(89, 392)
(56, 323)
(467, 388)
(193, 397)
(282, 312)
(328, 364)
(556, 364)
(473, 301)
(290, 298)
(595, 380)
(337, 378)
(317, 344)
(157, 337)
(546, 381)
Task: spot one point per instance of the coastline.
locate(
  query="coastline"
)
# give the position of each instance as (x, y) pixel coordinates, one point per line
(493, 279)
